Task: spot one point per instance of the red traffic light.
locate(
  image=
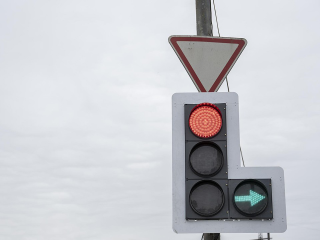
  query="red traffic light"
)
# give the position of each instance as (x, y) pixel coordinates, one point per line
(205, 120)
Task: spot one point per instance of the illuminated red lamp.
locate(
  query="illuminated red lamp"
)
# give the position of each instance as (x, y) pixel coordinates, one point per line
(205, 120)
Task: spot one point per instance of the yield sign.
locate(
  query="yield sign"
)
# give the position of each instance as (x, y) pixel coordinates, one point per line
(208, 60)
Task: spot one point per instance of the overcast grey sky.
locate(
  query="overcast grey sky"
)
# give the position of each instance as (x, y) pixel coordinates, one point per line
(85, 106)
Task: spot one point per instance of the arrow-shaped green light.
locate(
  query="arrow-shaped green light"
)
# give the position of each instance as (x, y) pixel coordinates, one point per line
(253, 198)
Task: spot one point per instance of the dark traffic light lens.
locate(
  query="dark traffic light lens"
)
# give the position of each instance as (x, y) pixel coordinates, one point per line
(206, 198)
(250, 198)
(205, 120)
(206, 159)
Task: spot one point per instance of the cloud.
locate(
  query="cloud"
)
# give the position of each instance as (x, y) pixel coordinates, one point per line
(85, 105)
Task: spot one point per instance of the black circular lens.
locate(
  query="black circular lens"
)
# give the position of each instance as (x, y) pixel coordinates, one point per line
(206, 198)
(250, 198)
(206, 159)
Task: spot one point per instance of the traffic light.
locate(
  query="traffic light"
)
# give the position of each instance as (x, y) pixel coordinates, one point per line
(206, 161)
(250, 199)
(211, 191)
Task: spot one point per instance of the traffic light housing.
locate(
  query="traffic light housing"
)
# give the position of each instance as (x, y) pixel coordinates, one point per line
(250, 199)
(211, 191)
(206, 166)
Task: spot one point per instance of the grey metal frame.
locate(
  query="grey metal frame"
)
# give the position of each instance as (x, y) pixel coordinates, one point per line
(180, 224)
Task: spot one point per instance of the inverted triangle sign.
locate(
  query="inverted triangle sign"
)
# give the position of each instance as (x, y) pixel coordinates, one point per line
(208, 60)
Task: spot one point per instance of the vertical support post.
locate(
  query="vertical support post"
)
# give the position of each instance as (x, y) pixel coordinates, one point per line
(204, 28)
(211, 236)
(204, 17)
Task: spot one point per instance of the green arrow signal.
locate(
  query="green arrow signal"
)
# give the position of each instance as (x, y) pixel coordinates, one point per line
(253, 198)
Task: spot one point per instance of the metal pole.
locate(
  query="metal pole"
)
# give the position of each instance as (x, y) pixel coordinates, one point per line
(211, 236)
(204, 17)
(204, 28)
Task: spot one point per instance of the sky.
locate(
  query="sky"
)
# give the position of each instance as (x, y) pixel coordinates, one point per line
(85, 112)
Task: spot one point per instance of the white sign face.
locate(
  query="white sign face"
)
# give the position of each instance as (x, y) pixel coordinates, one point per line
(207, 60)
